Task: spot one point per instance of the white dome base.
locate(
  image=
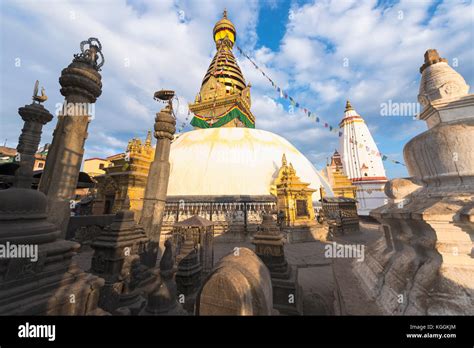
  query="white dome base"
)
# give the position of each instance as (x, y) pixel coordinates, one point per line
(234, 161)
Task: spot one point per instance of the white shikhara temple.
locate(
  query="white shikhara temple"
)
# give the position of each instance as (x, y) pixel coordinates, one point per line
(360, 161)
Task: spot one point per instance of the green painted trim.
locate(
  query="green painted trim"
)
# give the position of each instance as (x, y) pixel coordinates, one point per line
(234, 113)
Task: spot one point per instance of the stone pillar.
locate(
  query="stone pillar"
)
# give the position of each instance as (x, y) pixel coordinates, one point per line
(35, 116)
(424, 263)
(81, 86)
(269, 246)
(117, 259)
(158, 176)
(38, 276)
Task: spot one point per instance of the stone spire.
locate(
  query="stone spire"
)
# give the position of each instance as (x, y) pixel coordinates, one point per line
(269, 247)
(35, 117)
(158, 176)
(81, 86)
(118, 252)
(439, 80)
(432, 57)
(163, 299)
(188, 276)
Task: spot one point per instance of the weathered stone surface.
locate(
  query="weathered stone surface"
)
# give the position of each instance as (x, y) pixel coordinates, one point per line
(158, 176)
(439, 80)
(118, 254)
(35, 117)
(51, 285)
(45, 282)
(85, 228)
(424, 263)
(269, 243)
(163, 299)
(81, 86)
(240, 284)
(188, 277)
(399, 188)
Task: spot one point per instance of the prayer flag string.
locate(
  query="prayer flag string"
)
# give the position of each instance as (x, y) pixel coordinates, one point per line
(312, 115)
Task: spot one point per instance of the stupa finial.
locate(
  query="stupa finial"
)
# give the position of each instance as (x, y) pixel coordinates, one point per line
(348, 106)
(283, 160)
(224, 14)
(148, 139)
(432, 57)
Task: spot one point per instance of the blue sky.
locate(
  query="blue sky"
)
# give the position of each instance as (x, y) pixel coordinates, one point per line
(321, 53)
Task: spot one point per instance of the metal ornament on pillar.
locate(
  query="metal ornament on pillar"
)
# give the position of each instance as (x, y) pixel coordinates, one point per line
(35, 117)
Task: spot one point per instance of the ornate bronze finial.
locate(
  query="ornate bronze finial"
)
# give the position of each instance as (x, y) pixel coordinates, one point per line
(39, 98)
(225, 13)
(432, 57)
(165, 95)
(92, 54)
(148, 139)
(348, 106)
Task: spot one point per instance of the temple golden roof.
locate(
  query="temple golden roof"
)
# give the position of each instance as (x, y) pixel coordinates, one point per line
(224, 97)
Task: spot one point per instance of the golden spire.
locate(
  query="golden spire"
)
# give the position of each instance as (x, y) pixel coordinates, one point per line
(224, 31)
(283, 160)
(224, 65)
(348, 106)
(148, 139)
(223, 89)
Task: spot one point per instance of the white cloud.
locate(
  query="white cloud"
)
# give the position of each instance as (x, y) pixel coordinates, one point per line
(168, 44)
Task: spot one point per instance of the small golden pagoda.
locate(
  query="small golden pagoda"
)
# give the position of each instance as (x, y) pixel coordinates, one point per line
(294, 197)
(341, 185)
(126, 176)
(224, 98)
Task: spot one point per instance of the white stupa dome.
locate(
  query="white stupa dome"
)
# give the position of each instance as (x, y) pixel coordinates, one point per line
(234, 161)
